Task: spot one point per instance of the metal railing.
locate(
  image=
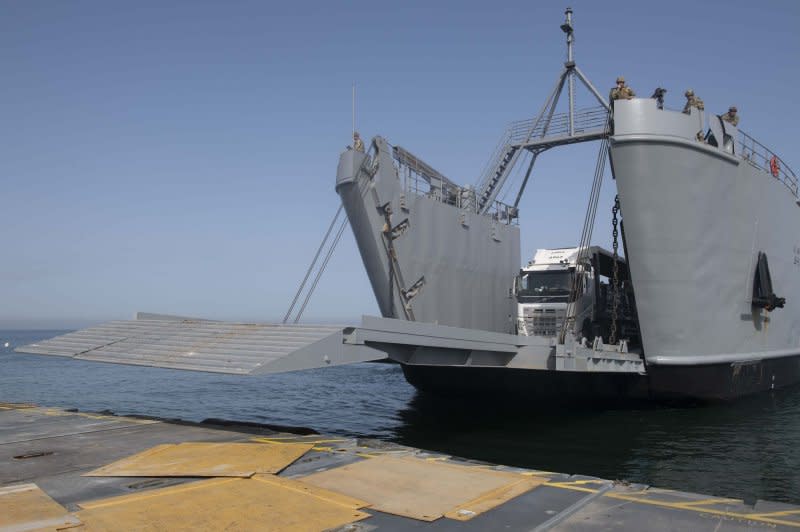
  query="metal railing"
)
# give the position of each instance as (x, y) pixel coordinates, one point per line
(764, 159)
(520, 133)
(441, 192)
(416, 180)
(421, 179)
(502, 212)
(487, 172)
(590, 119)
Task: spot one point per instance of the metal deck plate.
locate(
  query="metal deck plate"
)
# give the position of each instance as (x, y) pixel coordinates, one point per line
(424, 489)
(258, 503)
(203, 459)
(26, 507)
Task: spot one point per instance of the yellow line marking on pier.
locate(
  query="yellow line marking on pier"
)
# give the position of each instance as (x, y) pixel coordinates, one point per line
(267, 440)
(577, 485)
(711, 501)
(286, 441)
(687, 506)
(768, 514)
(568, 486)
(537, 473)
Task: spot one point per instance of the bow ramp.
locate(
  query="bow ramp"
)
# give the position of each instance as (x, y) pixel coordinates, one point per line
(205, 345)
(255, 348)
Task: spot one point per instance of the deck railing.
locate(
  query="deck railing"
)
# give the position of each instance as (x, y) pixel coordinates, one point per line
(416, 179)
(522, 131)
(589, 119)
(761, 157)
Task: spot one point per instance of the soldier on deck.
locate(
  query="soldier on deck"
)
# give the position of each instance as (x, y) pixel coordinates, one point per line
(692, 101)
(358, 144)
(621, 91)
(731, 116)
(658, 96)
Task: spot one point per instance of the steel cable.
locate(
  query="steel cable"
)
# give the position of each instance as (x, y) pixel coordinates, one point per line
(328, 256)
(311, 266)
(588, 225)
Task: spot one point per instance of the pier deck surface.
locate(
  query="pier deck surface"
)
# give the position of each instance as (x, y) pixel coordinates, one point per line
(52, 448)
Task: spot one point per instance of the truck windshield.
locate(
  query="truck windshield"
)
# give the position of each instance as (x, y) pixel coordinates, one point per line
(547, 285)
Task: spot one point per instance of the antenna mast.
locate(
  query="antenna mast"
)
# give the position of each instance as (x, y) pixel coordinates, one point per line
(567, 28)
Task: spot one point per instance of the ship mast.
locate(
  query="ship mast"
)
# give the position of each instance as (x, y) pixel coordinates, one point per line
(547, 130)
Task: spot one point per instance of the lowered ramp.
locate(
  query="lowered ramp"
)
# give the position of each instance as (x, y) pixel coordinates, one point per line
(205, 345)
(256, 348)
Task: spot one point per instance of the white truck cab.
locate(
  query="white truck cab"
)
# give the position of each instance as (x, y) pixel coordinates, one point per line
(544, 290)
(554, 285)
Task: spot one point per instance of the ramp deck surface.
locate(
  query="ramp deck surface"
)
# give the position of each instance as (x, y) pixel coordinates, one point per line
(53, 448)
(188, 344)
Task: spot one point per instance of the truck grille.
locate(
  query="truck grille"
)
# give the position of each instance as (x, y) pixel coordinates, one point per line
(544, 321)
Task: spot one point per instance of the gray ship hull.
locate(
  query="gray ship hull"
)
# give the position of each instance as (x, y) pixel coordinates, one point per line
(667, 383)
(695, 218)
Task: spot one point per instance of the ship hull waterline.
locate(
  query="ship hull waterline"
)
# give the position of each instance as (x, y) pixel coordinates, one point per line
(684, 384)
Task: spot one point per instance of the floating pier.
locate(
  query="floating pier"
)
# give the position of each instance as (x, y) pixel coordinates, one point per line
(67, 470)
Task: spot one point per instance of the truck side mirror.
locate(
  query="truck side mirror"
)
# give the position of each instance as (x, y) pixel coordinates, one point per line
(516, 285)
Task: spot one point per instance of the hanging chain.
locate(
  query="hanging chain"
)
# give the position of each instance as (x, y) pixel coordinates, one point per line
(612, 338)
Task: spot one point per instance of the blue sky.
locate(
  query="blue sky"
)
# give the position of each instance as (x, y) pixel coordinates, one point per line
(180, 157)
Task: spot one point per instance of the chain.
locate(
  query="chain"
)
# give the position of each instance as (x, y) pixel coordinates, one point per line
(612, 338)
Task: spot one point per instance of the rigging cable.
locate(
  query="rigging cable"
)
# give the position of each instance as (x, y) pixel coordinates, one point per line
(328, 256)
(588, 227)
(311, 266)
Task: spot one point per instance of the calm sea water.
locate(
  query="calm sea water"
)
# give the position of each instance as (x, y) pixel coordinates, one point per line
(749, 449)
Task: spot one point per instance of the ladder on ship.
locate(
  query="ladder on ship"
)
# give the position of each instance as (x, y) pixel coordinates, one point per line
(547, 130)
